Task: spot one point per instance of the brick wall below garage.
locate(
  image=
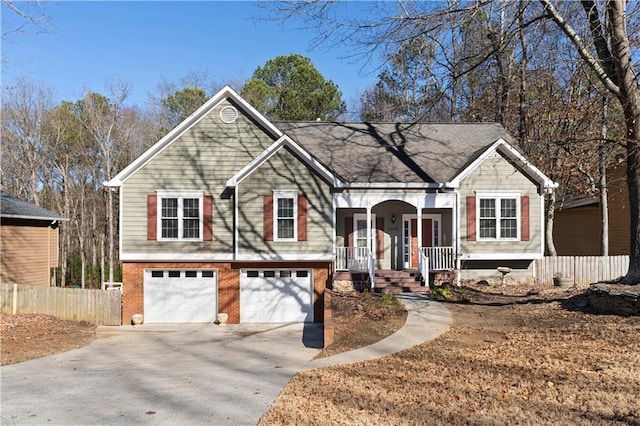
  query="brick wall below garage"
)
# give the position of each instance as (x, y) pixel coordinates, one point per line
(228, 284)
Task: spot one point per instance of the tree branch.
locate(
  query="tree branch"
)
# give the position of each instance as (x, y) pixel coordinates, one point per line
(592, 62)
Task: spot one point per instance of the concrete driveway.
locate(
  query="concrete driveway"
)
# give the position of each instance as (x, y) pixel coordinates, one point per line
(161, 374)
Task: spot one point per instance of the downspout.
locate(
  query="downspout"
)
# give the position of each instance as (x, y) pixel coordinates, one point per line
(235, 223)
(335, 237)
(49, 252)
(370, 244)
(457, 238)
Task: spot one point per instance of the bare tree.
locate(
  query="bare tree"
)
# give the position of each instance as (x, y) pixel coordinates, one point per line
(613, 65)
(101, 117)
(24, 106)
(30, 15)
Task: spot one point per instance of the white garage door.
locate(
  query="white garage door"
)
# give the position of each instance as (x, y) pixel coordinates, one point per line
(276, 295)
(180, 296)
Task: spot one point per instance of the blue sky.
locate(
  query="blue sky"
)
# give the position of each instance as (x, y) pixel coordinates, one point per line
(145, 42)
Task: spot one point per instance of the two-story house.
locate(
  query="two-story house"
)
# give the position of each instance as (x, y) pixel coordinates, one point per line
(233, 213)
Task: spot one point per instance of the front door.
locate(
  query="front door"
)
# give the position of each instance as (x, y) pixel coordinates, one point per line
(411, 244)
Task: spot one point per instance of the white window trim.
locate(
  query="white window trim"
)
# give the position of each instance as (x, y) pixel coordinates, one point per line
(180, 195)
(435, 217)
(285, 194)
(498, 196)
(372, 225)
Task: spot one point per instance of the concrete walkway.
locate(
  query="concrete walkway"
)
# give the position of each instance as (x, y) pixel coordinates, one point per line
(426, 320)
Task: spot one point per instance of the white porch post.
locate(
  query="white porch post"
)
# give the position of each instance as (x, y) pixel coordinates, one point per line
(370, 245)
(419, 234)
(369, 233)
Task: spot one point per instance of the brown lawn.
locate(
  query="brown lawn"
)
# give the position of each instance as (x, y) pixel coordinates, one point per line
(29, 336)
(513, 356)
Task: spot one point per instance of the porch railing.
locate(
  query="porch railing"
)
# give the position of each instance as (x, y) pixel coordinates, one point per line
(423, 267)
(372, 268)
(353, 259)
(439, 258)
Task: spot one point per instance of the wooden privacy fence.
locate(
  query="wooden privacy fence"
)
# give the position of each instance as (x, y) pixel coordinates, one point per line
(584, 270)
(102, 307)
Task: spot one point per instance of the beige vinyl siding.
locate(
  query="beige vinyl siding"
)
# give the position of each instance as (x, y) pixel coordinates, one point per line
(497, 174)
(27, 254)
(202, 159)
(284, 172)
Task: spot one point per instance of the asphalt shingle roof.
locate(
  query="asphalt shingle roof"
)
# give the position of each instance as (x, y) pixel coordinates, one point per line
(13, 207)
(394, 152)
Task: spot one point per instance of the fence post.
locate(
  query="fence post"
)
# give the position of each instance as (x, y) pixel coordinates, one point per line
(14, 302)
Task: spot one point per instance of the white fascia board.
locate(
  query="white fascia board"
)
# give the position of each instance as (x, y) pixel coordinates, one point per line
(533, 170)
(189, 122)
(511, 152)
(418, 200)
(42, 218)
(265, 155)
(501, 256)
(182, 257)
(308, 257)
(393, 185)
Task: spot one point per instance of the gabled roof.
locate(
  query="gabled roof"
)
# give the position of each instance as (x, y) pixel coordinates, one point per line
(414, 154)
(510, 152)
(225, 93)
(15, 208)
(284, 141)
(393, 152)
(419, 155)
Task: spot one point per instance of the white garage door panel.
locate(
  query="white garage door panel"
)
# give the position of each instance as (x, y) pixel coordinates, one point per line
(179, 299)
(276, 299)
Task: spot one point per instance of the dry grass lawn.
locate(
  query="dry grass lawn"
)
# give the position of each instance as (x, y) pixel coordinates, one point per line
(530, 358)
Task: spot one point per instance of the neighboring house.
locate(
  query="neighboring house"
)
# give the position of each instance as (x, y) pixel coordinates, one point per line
(231, 213)
(28, 242)
(577, 226)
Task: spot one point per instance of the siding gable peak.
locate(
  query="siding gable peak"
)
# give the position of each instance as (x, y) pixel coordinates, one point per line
(284, 141)
(226, 93)
(523, 165)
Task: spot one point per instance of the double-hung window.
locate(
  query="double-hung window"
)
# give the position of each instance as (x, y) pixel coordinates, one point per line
(180, 215)
(499, 216)
(285, 212)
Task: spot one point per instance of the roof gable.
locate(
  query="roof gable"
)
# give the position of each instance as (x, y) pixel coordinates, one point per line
(225, 93)
(284, 141)
(523, 165)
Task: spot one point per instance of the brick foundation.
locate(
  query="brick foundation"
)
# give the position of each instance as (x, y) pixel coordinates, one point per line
(228, 284)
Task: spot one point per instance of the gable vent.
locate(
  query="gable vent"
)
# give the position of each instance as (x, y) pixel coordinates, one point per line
(229, 114)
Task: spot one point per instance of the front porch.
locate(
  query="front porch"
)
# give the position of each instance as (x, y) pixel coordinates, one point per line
(358, 265)
(395, 232)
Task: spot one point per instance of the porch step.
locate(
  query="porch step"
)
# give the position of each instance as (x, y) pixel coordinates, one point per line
(399, 282)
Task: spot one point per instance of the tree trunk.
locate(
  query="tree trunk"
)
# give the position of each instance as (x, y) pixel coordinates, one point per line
(81, 239)
(111, 231)
(551, 208)
(602, 166)
(630, 100)
(522, 96)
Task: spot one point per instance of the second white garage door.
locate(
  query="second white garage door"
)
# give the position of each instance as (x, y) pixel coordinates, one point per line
(276, 295)
(180, 296)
